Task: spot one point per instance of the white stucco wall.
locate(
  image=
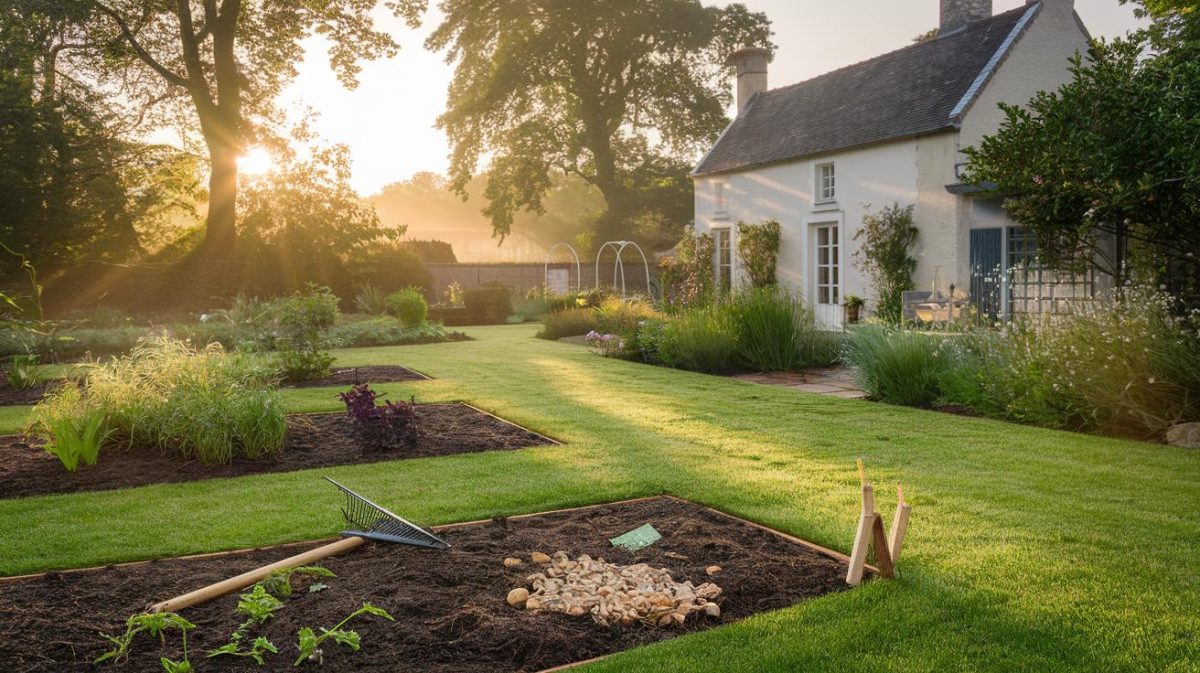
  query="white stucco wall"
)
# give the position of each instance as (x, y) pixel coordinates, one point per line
(867, 179)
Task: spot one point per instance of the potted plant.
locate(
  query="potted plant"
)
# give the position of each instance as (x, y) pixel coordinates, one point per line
(853, 304)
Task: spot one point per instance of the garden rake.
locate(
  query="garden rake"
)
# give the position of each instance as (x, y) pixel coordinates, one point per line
(369, 522)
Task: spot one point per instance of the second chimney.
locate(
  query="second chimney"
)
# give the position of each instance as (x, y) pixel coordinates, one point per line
(751, 64)
(958, 13)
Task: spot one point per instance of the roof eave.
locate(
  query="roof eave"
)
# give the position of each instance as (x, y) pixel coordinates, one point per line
(985, 75)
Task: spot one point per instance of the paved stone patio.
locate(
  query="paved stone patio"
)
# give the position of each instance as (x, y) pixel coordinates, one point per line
(832, 381)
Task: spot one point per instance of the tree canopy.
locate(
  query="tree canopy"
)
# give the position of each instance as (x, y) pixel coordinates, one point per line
(1105, 171)
(221, 64)
(608, 91)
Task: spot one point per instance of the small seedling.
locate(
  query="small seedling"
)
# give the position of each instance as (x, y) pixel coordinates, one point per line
(153, 624)
(310, 642)
(279, 583)
(259, 605)
(256, 651)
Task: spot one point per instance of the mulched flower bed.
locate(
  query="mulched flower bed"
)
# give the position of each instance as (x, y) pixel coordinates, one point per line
(313, 440)
(353, 376)
(450, 608)
(10, 396)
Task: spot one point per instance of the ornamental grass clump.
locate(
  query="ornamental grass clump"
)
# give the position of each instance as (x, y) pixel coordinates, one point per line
(770, 326)
(895, 366)
(699, 340)
(204, 404)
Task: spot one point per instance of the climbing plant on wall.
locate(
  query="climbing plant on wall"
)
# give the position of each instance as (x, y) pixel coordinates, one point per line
(884, 243)
(688, 278)
(758, 251)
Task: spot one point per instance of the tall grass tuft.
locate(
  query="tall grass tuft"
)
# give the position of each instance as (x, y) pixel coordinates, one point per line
(700, 340)
(204, 404)
(895, 366)
(409, 306)
(769, 325)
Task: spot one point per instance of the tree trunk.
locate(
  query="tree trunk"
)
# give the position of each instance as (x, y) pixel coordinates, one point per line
(220, 225)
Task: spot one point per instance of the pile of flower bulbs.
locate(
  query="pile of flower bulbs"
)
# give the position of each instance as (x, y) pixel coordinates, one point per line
(612, 593)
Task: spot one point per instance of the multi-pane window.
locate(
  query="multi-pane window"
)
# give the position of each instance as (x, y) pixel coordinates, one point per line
(827, 266)
(723, 251)
(1022, 248)
(826, 183)
(720, 209)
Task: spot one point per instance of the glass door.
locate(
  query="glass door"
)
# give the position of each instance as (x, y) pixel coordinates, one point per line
(827, 277)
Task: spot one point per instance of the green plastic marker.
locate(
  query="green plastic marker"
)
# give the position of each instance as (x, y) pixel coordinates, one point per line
(637, 538)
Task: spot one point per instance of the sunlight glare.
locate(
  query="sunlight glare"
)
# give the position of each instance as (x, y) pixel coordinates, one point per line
(255, 161)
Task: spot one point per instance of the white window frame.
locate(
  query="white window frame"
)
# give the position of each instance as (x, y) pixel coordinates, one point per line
(832, 285)
(720, 234)
(824, 186)
(721, 199)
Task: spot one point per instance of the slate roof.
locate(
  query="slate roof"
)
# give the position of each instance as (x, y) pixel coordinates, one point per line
(922, 88)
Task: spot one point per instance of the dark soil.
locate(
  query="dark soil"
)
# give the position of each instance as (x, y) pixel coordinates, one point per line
(450, 609)
(10, 396)
(353, 376)
(313, 440)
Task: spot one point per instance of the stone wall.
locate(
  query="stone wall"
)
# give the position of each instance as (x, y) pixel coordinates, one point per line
(523, 276)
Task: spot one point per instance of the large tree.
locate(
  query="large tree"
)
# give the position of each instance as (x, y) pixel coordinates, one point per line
(602, 90)
(225, 61)
(1105, 171)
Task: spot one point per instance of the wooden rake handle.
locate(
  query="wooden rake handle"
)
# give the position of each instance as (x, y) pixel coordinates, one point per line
(257, 575)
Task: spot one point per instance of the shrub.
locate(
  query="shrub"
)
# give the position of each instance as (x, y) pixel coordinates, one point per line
(371, 300)
(569, 322)
(896, 366)
(622, 316)
(757, 250)
(885, 239)
(383, 426)
(298, 365)
(647, 340)
(687, 278)
(21, 371)
(302, 320)
(409, 306)
(204, 404)
(698, 340)
(489, 305)
(385, 331)
(769, 325)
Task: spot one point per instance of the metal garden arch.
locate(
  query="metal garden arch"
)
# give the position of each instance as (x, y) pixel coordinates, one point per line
(619, 266)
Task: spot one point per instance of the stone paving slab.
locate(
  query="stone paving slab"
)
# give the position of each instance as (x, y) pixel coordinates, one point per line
(832, 381)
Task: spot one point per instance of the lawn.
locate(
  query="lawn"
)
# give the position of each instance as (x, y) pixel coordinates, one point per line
(1029, 549)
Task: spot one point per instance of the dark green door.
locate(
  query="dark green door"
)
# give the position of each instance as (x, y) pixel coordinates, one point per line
(987, 251)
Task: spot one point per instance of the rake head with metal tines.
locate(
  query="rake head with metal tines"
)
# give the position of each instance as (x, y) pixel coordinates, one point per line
(376, 523)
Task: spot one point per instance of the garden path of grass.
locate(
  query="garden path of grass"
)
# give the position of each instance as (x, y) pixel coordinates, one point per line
(1029, 549)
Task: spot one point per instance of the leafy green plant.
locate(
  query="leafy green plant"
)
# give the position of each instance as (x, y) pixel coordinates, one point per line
(302, 320)
(488, 305)
(896, 366)
(371, 300)
(279, 583)
(309, 641)
(76, 430)
(409, 306)
(757, 250)
(568, 322)
(700, 340)
(768, 325)
(386, 331)
(154, 624)
(21, 371)
(205, 404)
(688, 278)
(885, 240)
(298, 365)
(257, 650)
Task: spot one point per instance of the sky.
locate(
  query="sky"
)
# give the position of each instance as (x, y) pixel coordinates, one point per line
(388, 121)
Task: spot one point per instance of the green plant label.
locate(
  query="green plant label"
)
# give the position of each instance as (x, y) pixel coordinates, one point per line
(637, 538)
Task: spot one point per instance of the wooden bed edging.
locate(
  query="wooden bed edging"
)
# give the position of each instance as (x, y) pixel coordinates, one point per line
(508, 422)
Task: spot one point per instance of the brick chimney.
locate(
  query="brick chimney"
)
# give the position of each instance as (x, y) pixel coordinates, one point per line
(751, 64)
(958, 13)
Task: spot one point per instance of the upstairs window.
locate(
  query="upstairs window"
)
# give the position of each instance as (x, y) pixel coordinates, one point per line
(826, 183)
(720, 209)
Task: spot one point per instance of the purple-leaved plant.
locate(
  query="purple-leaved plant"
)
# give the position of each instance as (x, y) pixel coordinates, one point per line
(381, 426)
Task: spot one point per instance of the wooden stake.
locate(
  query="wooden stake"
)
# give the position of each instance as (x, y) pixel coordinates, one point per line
(883, 558)
(899, 525)
(862, 539)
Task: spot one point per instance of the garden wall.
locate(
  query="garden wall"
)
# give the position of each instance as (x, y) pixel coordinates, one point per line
(522, 276)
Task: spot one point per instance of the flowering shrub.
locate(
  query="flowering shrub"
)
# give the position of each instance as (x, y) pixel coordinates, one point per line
(608, 345)
(383, 426)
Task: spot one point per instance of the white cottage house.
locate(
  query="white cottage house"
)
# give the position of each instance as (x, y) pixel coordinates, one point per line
(817, 155)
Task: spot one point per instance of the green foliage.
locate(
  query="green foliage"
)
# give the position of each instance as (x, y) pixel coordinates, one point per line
(1103, 171)
(454, 294)
(203, 404)
(371, 300)
(309, 642)
(688, 278)
(895, 366)
(568, 322)
(885, 240)
(21, 371)
(488, 305)
(259, 606)
(385, 331)
(303, 319)
(768, 324)
(757, 250)
(618, 109)
(77, 429)
(700, 340)
(257, 650)
(622, 316)
(279, 583)
(155, 625)
(409, 306)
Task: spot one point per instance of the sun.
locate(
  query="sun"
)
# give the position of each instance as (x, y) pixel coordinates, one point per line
(256, 161)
